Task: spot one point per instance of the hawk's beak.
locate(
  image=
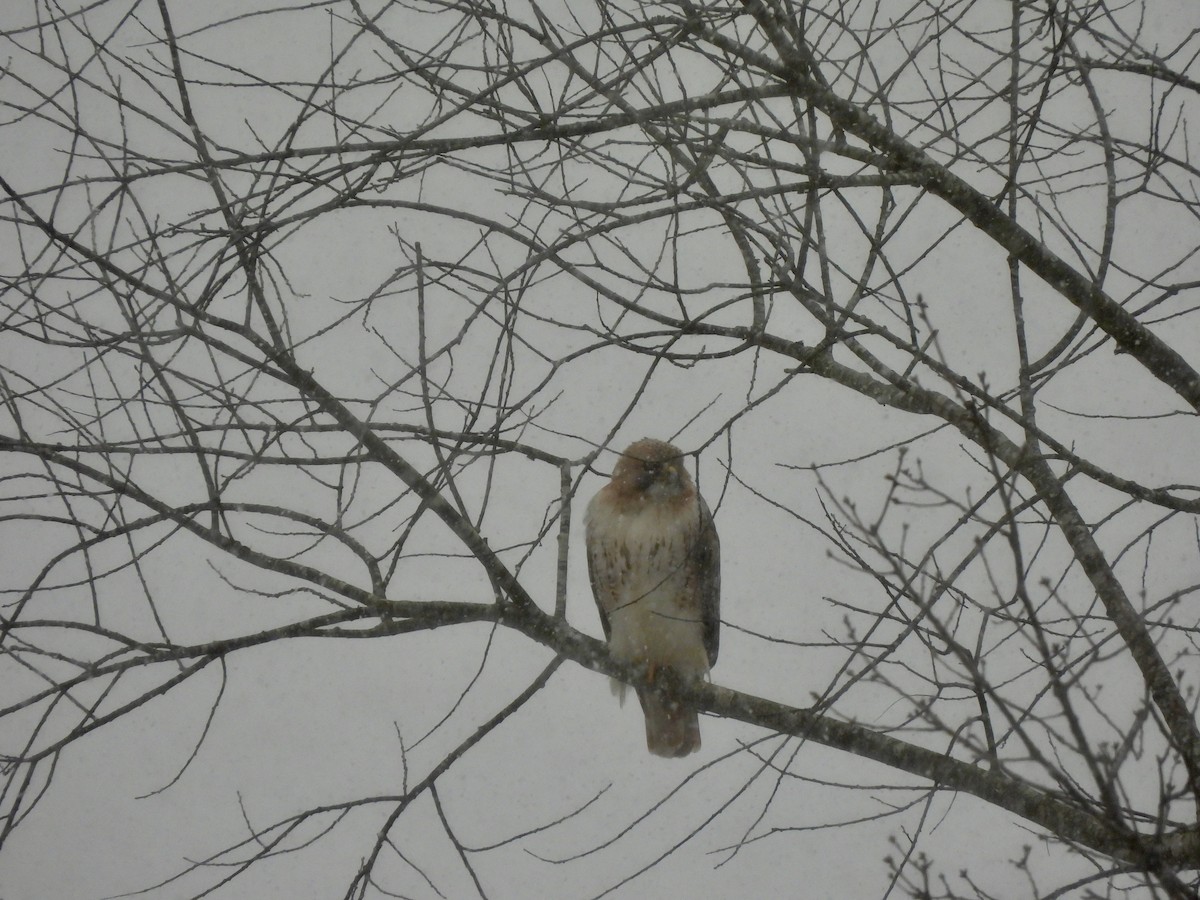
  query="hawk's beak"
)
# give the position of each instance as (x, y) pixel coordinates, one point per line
(647, 477)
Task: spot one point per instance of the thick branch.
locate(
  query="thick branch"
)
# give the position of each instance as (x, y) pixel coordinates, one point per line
(1177, 849)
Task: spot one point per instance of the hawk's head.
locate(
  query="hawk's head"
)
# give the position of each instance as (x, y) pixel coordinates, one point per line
(654, 469)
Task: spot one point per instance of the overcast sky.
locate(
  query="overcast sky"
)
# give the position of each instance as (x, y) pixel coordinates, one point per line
(300, 724)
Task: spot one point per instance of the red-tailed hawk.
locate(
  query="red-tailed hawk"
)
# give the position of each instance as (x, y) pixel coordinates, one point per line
(654, 561)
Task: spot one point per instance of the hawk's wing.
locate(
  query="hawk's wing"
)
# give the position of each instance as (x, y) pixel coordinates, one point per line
(705, 580)
(602, 577)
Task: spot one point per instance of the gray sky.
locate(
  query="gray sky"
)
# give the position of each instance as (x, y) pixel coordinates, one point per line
(311, 723)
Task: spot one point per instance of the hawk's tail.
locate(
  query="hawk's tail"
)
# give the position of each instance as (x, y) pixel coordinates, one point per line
(672, 729)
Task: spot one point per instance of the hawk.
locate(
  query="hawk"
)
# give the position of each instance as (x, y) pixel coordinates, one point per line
(654, 562)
